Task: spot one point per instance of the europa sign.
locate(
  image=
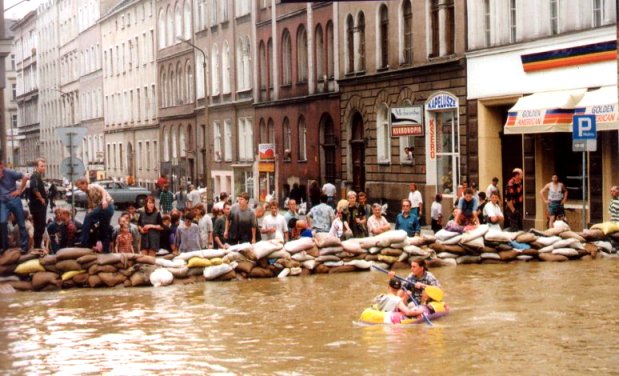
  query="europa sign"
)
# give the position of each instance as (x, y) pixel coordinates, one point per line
(406, 121)
(266, 152)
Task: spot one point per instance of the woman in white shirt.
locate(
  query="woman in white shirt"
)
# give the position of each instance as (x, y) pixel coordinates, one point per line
(377, 224)
(493, 213)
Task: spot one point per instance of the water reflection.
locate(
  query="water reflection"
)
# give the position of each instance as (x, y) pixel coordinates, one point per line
(528, 318)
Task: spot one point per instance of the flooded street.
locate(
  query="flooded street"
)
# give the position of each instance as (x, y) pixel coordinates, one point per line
(525, 318)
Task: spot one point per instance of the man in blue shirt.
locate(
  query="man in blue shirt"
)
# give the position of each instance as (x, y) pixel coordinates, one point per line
(406, 220)
(10, 202)
(466, 213)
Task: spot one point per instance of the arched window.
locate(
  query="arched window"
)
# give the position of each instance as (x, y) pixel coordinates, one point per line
(350, 45)
(166, 144)
(178, 87)
(407, 32)
(271, 132)
(319, 53)
(187, 20)
(169, 27)
(182, 141)
(262, 59)
(302, 55)
(287, 139)
(171, 86)
(178, 22)
(330, 51)
(226, 71)
(213, 13)
(286, 58)
(247, 68)
(162, 86)
(215, 70)
(383, 36)
(302, 139)
(262, 129)
(360, 42)
(271, 76)
(188, 82)
(383, 139)
(200, 75)
(174, 144)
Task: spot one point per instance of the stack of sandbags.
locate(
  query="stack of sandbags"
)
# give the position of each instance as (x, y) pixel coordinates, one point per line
(605, 236)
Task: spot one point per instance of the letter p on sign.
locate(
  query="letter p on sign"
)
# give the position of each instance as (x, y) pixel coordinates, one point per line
(584, 127)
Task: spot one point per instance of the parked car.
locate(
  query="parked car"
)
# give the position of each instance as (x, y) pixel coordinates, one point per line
(121, 193)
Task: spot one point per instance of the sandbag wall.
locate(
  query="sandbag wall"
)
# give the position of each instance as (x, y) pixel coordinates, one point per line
(81, 267)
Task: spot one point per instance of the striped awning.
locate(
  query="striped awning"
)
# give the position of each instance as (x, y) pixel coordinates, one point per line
(603, 104)
(545, 112)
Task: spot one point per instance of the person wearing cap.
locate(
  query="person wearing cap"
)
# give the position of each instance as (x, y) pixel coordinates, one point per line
(513, 200)
(391, 301)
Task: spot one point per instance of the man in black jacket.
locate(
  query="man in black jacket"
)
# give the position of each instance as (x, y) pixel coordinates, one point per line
(38, 202)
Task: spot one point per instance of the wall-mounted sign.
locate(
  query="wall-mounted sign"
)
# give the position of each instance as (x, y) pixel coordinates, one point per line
(266, 152)
(406, 121)
(442, 101)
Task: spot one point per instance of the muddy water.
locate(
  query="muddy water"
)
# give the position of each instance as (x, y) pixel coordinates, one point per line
(528, 318)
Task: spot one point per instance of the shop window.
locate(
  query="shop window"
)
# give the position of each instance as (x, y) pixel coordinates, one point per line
(407, 149)
(447, 151)
(383, 139)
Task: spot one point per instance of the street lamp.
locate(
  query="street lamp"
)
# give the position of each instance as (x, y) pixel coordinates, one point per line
(206, 131)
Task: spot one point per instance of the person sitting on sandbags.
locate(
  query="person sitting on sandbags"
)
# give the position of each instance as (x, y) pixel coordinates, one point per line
(466, 214)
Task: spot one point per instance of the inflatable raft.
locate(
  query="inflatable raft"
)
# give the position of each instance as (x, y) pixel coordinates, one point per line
(373, 316)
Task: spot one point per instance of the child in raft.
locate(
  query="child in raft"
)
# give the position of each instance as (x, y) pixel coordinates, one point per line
(391, 302)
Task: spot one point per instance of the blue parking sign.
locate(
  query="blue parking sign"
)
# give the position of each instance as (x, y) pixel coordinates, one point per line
(584, 127)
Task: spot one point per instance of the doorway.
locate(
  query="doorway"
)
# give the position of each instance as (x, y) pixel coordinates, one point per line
(329, 144)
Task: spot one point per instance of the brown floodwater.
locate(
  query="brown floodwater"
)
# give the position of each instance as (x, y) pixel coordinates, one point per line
(524, 318)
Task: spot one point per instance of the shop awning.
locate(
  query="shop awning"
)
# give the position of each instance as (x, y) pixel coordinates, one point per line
(603, 104)
(545, 112)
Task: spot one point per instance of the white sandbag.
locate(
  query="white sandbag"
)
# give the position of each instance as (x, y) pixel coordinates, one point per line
(366, 243)
(302, 256)
(569, 252)
(490, 256)
(427, 238)
(500, 236)
(331, 250)
(392, 236)
(323, 240)
(420, 240)
(399, 245)
(564, 243)
(161, 277)
(179, 272)
(548, 240)
(403, 257)
(375, 250)
(546, 249)
(234, 256)
(476, 243)
(604, 246)
(187, 255)
(265, 247)
(359, 264)
(295, 271)
(333, 263)
(444, 235)
(327, 258)
(560, 224)
(299, 245)
(524, 257)
(309, 264)
(279, 254)
(446, 255)
(239, 247)
(212, 272)
(477, 232)
(353, 246)
(449, 262)
(176, 263)
(380, 264)
(284, 273)
(451, 241)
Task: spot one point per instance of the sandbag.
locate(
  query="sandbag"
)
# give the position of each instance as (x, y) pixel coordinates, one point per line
(604, 246)
(296, 271)
(387, 259)
(443, 235)
(299, 245)
(571, 235)
(176, 263)
(343, 269)
(415, 250)
(455, 248)
(500, 236)
(476, 243)
(391, 252)
(490, 255)
(87, 259)
(20, 285)
(244, 266)
(213, 272)
(234, 256)
(419, 241)
(555, 231)
(453, 240)
(475, 233)
(593, 234)
(399, 245)
(530, 252)
(359, 264)
(80, 279)
(70, 274)
(208, 253)
(547, 249)
(552, 257)
(149, 260)
(278, 254)
(374, 250)
(198, 262)
(327, 258)
(331, 250)
(112, 258)
(29, 267)
(288, 263)
(41, 279)
(434, 263)
(94, 281)
(524, 257)
(332, 264)
(238, 247)
(324, 240)
(309, 264)
(259, 272)
(301, 256)
(265, 247)
(447, 255)
(508, 255)
(112, 279)
(10, 256)
(137, 279)
(227, 276)
(284, 273)
(180, 272)
(161, 277)
(568, 252)
(527, 237)
(392, 236)
(547, 240)
(96, 269)
(468, 259)
(73, 253)
(366, 243)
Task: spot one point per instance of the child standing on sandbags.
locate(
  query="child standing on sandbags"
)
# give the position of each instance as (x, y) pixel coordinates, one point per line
(188, 234)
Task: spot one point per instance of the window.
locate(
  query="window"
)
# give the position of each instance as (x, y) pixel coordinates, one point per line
(450, 27)
(598, 14)
(187, 20)
(383, 138)
(262, 132)
(302, 140)
(360, 63)
(554, 17)
(166, 144)
(330, 51)
(434, 47)
(287, 140)
(215, 70)
(13, 92)
(148, 156)
(243, 67)
(169, 27)
(224, 11)
(383, 37)
(319, 53)
(217, 149)
(201, 15)
(13, 123)
(407, 37)
(513, 35)
(12, 62)
(226, 71)
(214, 12)
(448, 150)
(246, 140)
(262, 56)
(286, 59)
(140, 156)
(271, 76)
(487, 20)
(350, 45)
(188, 82)
(178, 23)
(271, 132)
(242, 7)
(302, 56)
(228, 140)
